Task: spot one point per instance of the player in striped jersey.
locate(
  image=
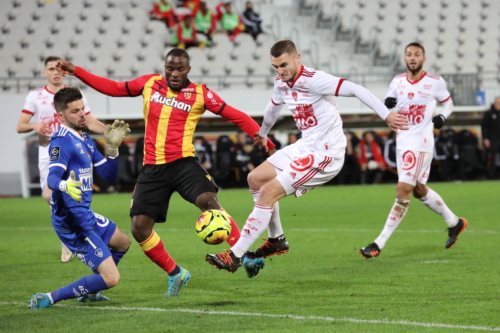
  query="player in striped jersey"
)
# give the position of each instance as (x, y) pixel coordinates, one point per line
(172, 107)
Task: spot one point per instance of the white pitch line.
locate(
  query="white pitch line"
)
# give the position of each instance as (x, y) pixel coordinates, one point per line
(291, 230)
(256, 314)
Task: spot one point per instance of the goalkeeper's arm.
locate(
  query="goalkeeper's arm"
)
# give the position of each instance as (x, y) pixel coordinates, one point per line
(70, 186)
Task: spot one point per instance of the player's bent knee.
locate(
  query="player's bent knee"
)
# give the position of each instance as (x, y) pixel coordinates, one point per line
(420, 191)
(123, 241)
(256, 179)
(206, 201)
(141, 227)
(111, 279)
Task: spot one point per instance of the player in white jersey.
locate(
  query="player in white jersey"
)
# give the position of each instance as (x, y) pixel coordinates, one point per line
(40, 105)
(414, 94)
(310, 162)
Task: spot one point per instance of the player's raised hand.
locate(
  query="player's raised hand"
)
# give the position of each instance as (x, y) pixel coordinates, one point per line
(258, 140)
(114, 135)
(65, 67)
(70, 186)
(397, 122)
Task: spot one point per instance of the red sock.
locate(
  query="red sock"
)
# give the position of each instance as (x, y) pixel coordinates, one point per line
(154, 249)
(235, 231)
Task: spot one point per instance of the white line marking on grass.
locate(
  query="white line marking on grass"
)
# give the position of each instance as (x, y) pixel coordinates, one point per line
(435, 262)
(291, 229)
(256, 314)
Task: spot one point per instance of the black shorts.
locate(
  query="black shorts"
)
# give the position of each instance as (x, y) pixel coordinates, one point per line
(156, 184)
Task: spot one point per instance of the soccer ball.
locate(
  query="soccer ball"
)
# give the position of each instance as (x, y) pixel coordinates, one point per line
(213, 227)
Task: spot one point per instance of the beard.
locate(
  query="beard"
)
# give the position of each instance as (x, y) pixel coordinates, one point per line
(416, 70)
(76, 126)
(81, 127)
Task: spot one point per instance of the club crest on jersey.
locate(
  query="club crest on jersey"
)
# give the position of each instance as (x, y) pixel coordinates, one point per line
(187, 95)
(295, 96)
(411, 95)
(158, 98)
(303, 163)
(409, 160)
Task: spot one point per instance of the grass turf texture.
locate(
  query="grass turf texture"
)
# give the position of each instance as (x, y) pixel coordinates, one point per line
(415, 279)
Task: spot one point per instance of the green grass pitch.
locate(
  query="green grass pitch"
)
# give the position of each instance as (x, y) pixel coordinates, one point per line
(321, 285)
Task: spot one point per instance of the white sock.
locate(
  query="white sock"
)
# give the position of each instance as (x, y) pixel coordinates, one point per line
(274, 229)
(255, 225)
(395, 217)
(436, 203)
(50, 297)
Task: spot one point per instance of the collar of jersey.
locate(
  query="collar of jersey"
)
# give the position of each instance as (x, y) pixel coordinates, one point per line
(416, 81)
(295, 80)
(73, 132)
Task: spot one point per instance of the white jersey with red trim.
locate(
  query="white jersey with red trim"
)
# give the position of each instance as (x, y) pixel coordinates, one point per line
(417, 101)
(40, 104)
(310, 99)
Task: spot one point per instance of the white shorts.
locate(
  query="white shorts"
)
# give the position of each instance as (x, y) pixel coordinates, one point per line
(302, 169)
(43, 169)
(413, 166)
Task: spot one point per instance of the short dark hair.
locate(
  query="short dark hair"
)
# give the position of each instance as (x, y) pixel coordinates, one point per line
(64, 96)
(177, 53)
(51, 58)
(283, 46)
(416, 44)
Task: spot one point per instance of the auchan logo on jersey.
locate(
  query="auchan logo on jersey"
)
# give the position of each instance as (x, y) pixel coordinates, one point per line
(414, 113)
(304, 116)
(158, 98)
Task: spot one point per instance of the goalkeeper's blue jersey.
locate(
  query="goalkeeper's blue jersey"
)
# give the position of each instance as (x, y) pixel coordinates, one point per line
(70, 151)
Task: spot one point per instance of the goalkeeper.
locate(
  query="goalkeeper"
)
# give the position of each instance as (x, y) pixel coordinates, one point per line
(94, 239)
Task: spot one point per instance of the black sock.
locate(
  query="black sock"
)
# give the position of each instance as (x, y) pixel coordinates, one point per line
(278, 239)
(176, 270)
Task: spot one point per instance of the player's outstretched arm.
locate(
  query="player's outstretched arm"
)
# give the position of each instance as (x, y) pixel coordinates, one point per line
(114, 135)
(104, 85)
(394, 121)
(244, 122)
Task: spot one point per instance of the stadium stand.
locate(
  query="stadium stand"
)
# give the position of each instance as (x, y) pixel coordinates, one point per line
(345, 37)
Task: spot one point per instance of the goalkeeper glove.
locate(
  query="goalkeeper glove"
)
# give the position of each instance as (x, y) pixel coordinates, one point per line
(113, 135)
(390, 102)
(70, 186)
(438, 121)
